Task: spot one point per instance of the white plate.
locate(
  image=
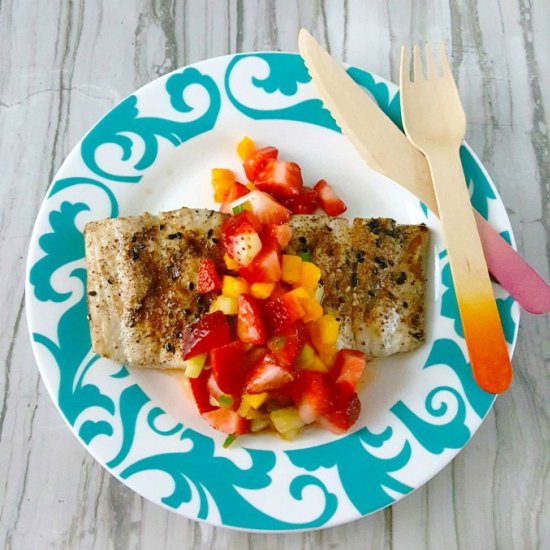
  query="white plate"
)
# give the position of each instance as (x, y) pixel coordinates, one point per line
(154, 152)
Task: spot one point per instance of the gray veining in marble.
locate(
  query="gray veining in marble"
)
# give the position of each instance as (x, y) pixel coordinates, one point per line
(59, 74)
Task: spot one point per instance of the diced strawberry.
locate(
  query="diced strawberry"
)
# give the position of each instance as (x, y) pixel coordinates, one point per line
(348, 367)
(282, 311)
(279, 178)
(236, 191)
(264, 268)
(304, 203)
(287, 346)
(267, 374)
(344, 409)
(257, 160)
(213, 389)
(330, 202)
(227, 421)
(208, 278)
(282, 233)
(240, 238)
(264, 207)
(250, 323)
(228, 367)
(314, 395)
(199, 389)
(210, 331)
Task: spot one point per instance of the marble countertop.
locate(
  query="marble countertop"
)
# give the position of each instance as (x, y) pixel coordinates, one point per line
(66, 63)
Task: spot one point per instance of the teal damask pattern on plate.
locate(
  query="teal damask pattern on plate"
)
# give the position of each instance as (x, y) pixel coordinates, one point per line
(123, 426)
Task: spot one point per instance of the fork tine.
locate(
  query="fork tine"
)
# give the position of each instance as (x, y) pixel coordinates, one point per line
(430, 62)
(418, 73)
(444, 61)
(404, 68)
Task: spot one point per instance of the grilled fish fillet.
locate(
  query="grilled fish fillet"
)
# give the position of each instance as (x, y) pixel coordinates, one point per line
(142, 277)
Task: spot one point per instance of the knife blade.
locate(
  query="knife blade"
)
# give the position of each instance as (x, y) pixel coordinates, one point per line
(383, 146)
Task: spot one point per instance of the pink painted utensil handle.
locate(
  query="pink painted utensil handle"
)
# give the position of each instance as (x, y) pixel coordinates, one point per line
(514, 274)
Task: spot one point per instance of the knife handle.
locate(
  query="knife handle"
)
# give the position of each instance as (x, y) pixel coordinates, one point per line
(513, 273)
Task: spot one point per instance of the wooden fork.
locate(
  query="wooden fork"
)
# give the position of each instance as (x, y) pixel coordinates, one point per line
(435, 124)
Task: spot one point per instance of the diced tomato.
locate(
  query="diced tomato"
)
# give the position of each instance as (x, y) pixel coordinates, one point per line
(282, 311)
(313, 400)
(228, 367)
(250, 323)
(208, 278)
(210, 331)
(264, 268)
(264, 207)
(304, 203)
(267, 374)
(227, 421)
(330, 202)
(280, 178)
(236, 191)
(348, 367)
(344, 409)
(240, 237)
(199, 389)
(256, 161)
(287, 346)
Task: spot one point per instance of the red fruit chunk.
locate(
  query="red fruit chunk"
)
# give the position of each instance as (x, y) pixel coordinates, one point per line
(288, 345)
(265, 267)
(304, 203)
(227, 421)
(282, 311)
(330, 202)
(243, 223)
(257, 160)
(210, 331)
(348, 367)
(208, 278)
(199, 389)
(280, 178)
(281, 233)
(313, 400)
(236, 191)
(266, 209)
(228, 367)
(266, 375)
(344, 409)
(250, 323)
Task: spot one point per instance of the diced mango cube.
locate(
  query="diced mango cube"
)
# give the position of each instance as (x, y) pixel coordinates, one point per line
(301, 292)
(222, 180)
(261, 291)
(194, 365)
(255, 400)
(310, 275)
(245, 148)
(226, 304)
(328, 329)
(233, 286)
(258, 424)
(313, 310)
(306, 357)
(248, 412)
(230, 263)
(291, 268)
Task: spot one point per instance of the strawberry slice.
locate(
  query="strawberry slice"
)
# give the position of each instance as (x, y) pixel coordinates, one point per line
(265, 267)
(210, 331)
(236, 191)
(282, 311)
(201, 394)
(257, 160)
(240, 237)
(263, 206)
(208, 278)
(227, 421)
(344, 409)
(228, 367)
(287, 346)
(267, 374)
(304, 203)
(313, 399)
(280, 178)
(330, 202)
(348, 367)
(250, 323)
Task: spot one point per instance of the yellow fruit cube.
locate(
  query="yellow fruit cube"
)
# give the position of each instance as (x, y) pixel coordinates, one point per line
(285, 420)
(233, 286)
(226, 304)
(194, 365)
(245, 148)
(222, 180)
(328, 329)
(255, 400)
(305, 359)
(230, 263)
(261, 291)
(246, 411)
(301, 292)
(258, 424)
(291, 268)
(313, 309)
(250, 186)
(310, 275)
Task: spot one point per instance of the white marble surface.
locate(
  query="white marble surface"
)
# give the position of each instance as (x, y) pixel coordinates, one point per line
(63, 64)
